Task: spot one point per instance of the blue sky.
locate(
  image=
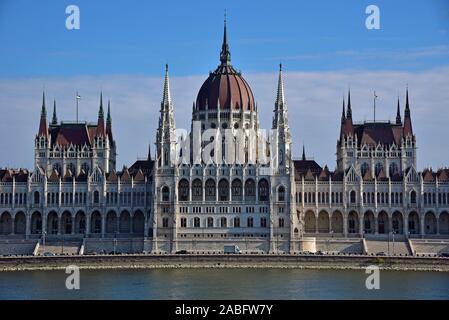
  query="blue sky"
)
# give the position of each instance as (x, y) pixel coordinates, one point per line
(122, 48)
(138, 37)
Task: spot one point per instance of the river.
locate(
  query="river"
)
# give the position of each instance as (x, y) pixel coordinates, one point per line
(223, 284)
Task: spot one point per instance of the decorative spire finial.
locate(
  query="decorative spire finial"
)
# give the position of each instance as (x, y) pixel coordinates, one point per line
(225, 55)
(303, 153)
(349, 112)
(398, 114)
(280, 93)
(166, 99)
(54, 120)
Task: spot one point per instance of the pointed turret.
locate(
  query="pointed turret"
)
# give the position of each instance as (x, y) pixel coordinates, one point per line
(280, 94)
(109, 122)
(343, 115)
(225, 55)
(54, 119)
(280, 107)
(398, 114)
(347, 126)
(149, 152)
(349, 112)
(166, 139)
(408, 130)
(303, 158)
(43, 130)
(100, 124)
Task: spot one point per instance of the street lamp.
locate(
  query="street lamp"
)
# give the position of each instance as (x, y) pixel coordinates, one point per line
(43, 239)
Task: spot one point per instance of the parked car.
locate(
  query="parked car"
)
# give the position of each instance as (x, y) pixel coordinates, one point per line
(233, 249)
(182, 252)
(381, 254)
(48, 254)
(444, 254)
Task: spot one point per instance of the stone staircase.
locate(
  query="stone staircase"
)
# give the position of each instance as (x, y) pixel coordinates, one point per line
(400, 247)
(58, 247)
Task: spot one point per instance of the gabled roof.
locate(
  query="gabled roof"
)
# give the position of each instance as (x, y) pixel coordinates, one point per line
(428, 175)
(139, 176)
(77, 134)
(302, 167)
(443, 175)
(112, 176)
(324, 175)
(54, 176)
(374, 133)
(125, 176)
(368, 176)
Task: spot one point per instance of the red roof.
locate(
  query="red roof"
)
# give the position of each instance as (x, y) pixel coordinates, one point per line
(77, 134)
(373, 133)
(225, 87)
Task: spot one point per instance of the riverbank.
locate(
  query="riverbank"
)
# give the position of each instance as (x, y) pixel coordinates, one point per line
(140, 261)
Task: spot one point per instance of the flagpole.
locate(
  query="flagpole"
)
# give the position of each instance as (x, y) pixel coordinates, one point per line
(375, 106)
(77, 106)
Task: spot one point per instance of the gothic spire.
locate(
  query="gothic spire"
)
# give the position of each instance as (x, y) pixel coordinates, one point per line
(166, 98)
(398, 114)
(407, 118)
(43, 122)
(100, 124)
(349, 112)
(225, 55)
(109, 122)
(303, 158)
(343, 116)
(280, 93)
(54, 120)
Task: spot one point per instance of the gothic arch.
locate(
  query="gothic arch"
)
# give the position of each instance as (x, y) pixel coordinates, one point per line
(52, 223)
(353, 222)
(20, 223)
(397, 222)
(223, 190)
(66, 223)
(95, 222)
(6, 223)
(383, 225)
(250, 190)
(413, 223)
(264, 190)
(236, 187)
(111, 222)
(210, 190)
(443, 222)
(138, 222)
(36, 223)
(310, 222)
(183, 190)
(323, 222)
(197, 190)
(430, 223)
(369, 222)
(80, 222)
(125, 222)
(337, 222)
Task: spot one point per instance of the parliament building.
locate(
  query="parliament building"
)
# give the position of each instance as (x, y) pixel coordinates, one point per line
(75, 194)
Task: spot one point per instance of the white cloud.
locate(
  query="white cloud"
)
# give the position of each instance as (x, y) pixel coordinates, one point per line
(314, 100)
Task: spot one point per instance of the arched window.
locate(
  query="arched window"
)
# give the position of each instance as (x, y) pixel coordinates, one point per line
(236, 190)
(36, 197)
(165, 194)
(378, 168)
(281, 222)
(183, 222)
(263, 190)
(96, 197)
(352, 196)
(394, 169)
(71, 167)
(223, 190)
(250, 189)
(223, 222)
(183, 190)
(196, 222)
(210, 190)
(236, 222)
(250, 222)
(281, 194)
(210, 222)
(197, 190)
(364, 168)
(413, 197)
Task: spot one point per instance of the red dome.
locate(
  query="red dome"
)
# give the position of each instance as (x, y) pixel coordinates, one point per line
(227, 86)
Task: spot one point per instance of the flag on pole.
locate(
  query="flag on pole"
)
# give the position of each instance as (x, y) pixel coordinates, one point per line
(78, 96)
